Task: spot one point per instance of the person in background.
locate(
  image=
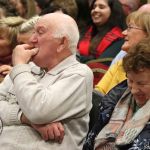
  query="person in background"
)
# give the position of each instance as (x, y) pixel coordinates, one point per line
(103, 40)
(126, 126)
(53, 8)
(138, 24)
(70, 6)
(41, 5)
(26, 8)
(12, 2)
(83, 16)
(34, 102)
(26, 29)
(6, 9)
(9, 27)
(130, 6)
(145, 8)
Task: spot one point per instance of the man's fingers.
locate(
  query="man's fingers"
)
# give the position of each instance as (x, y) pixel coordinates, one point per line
(58, 132)
(62, 132)
(51, 134)
(27, 46)
(35, 51)
(5, 72)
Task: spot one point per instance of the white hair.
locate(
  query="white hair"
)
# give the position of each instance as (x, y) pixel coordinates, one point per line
(69, 29)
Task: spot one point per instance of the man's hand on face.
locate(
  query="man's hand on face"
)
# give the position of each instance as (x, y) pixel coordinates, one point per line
(22, 54)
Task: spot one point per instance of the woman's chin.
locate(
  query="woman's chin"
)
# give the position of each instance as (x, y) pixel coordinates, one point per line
(125, 47)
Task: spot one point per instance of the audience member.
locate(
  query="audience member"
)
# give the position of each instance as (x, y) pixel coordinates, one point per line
(53, 8)
(26, 29)
(83, 16)
(138, 28)
(32, 101)
(9, 27)
(26, 8)
(130, 5)
(6, 9)
(145, 8)
(126, 125)
(41, 5)
(135, 5)
(12, 2)
(104, 38)
(70, 6)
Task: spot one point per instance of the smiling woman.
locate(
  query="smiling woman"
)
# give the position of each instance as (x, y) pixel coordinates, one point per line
(138, 28)
(103, 39)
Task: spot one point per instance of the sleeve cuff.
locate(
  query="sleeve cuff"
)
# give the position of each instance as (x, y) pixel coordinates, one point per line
(18, 69)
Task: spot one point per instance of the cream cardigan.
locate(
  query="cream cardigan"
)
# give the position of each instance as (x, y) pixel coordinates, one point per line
(63, 94)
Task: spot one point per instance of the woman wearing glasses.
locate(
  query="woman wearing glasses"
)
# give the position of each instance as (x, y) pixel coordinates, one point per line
(138, 28)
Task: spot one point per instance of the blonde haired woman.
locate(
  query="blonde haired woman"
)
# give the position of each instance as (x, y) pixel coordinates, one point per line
(9, 28)
(138, 28)
(26, 30)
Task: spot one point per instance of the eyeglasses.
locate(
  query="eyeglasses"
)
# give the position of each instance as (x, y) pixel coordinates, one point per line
(133, 27)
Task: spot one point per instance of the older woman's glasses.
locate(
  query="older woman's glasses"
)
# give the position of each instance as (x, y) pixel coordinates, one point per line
(129, 28)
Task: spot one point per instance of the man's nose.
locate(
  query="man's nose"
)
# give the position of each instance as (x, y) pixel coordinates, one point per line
(33, 39)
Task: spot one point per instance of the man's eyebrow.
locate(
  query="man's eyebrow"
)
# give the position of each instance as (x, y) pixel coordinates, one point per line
(41, 27)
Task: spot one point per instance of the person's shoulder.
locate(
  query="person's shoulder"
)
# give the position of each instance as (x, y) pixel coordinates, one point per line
(80, 70)
(117, 64)
(83, 68)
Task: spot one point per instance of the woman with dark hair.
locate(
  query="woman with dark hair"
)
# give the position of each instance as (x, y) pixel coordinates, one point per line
(7, 9)
(104, 38)
(69, 6)
(41, 5)
(26, 8)
(83, 16)
(51, 7)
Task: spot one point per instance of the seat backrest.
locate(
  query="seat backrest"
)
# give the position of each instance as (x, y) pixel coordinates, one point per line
(96, 101)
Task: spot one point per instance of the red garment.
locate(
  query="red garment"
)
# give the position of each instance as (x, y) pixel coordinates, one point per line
(111, 36)
(98, 69)
(97, 65)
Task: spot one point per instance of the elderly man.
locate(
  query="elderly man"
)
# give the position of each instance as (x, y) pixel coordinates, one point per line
(62, 94)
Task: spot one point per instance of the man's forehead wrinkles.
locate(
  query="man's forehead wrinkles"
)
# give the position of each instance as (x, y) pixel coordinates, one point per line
(41, 26)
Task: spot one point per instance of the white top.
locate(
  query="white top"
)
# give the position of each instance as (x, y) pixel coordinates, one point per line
(63, 94)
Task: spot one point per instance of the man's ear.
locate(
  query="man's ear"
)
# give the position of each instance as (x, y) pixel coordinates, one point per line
(63, 45)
